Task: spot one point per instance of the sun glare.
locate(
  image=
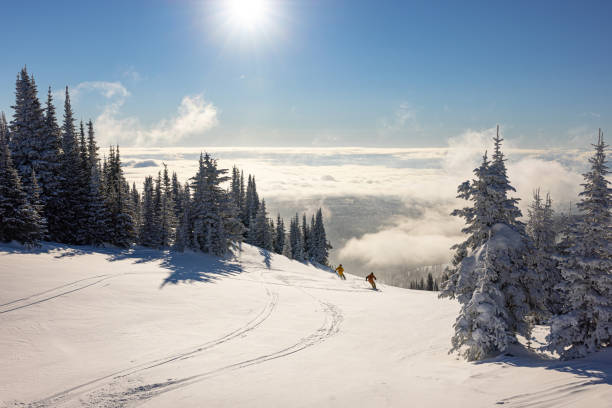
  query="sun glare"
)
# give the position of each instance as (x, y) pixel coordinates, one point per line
(248, 14)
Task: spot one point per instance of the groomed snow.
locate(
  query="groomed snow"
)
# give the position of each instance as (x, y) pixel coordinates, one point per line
(83, 327)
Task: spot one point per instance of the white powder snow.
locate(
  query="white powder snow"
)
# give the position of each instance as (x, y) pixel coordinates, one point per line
(88, 328)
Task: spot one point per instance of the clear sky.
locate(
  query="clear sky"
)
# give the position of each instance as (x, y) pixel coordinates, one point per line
(309, 72)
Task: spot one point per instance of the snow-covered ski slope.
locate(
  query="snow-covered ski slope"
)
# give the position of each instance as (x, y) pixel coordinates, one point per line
(82, 327)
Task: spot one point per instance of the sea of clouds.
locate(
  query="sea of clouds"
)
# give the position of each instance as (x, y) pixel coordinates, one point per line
(386, 209)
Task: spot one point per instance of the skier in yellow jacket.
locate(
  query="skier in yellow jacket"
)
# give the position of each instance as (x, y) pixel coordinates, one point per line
(340, 272)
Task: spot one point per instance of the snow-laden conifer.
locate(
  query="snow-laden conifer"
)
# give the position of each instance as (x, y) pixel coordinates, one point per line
(279, 235)
(261, 229)
(19, 220)
(585, 325)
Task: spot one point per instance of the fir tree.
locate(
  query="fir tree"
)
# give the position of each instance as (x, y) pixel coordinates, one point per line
(121, 224)
(261, 229)
(320, 245)
(19, 220)
(491, 278)
(166, 216)
(540, 230)
(305, 229)
(279, 235)
(184, 233)
(148, 234)
(29, 137)
(295, 239)
(213, 222)
(177, 195)
(586, 265)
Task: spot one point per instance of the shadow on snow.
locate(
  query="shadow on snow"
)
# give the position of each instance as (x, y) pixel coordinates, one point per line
(185, 267)
(596, 367)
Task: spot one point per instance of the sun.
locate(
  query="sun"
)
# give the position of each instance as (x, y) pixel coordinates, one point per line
(248, 14)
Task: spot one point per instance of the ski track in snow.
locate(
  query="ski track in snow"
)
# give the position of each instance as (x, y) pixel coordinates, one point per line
(71, 393)
(142, 393)
(562, 394)
(34, 299)
(127, 386)
(330, 326)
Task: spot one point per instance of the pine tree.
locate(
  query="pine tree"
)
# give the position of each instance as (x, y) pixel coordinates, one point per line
(295, 239)
(177, 195)
(73, 191)
(149, 227)
(586, 265)
(184, 233)
(136, 207)
(430, 282)
(505, 208)
(306, 244)
(287, 251)
(167, 208)
(320, 245)
(261, 229)
(480, 328)
(19, 220)
(214, 224)
(541, 232)
(492, 277)
(251, 205)
(121, 224)
(279, 235)
(29, 137)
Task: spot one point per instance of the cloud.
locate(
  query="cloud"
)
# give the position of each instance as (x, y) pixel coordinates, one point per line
(410, 243)
(142, 164)
(384, 207)
(132, 74)
(404, 118)
(194, 116)
(107, 89)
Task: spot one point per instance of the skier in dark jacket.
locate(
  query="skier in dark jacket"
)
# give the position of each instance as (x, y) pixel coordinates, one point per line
(371, 278)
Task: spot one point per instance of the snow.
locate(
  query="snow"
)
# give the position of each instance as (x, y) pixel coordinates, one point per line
(85, 327)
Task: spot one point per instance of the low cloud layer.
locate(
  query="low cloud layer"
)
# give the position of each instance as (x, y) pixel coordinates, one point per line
(385, 208)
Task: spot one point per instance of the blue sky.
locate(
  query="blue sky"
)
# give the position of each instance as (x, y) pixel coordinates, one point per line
(345, 73)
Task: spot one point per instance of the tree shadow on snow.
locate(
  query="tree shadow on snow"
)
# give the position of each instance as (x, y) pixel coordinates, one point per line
(596, 367)
(185, 267)
(267, 257)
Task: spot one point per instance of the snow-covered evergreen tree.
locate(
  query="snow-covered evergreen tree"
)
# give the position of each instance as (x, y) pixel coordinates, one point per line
(251, 203)
(320, 245)
(214, 224)
(585, 325)
(505, 208)
(121, 225)
(28, 141)
(135, 202)
(306, 239)
(261, 229)
(295, 239)
(149, 227)
(279, 235)
(183, 232)
(540, 229)
(177, 195)
(287, 251)
(166, 211)
(503, 277)
(19, 220)
(73, 190)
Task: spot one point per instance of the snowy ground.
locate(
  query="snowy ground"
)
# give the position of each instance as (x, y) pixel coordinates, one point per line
(107, 328)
